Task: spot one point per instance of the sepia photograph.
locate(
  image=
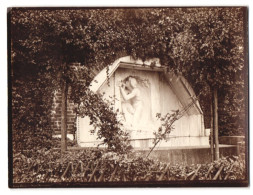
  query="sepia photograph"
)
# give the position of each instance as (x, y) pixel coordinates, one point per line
(128, 97)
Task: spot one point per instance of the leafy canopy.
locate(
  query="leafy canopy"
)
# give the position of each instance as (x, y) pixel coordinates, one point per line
(206, 45)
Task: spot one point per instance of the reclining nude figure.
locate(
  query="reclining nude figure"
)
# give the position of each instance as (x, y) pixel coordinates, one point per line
(132, 105)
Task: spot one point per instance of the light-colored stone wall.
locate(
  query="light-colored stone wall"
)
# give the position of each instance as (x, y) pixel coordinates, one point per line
(159, 97)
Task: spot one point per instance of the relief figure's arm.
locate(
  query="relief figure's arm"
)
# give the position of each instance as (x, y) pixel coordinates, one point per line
(127, 96)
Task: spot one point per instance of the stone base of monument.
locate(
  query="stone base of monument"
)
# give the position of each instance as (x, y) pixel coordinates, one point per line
(183, 141)
(187, 155)
(172, 142)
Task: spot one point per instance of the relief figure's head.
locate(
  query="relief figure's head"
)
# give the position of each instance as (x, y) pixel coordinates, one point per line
(130, 82)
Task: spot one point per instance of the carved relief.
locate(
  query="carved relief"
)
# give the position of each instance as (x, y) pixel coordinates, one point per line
(135, 102)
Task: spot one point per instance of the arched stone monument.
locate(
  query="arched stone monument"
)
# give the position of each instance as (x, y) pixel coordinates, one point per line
(141, 90)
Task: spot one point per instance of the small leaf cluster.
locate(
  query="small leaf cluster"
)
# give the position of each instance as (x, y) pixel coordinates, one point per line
(166, 127)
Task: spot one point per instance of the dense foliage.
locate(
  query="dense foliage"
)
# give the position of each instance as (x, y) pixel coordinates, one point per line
(210, 52)
(44, 45)
(102, 116)
(206, 45)
(31, 110)
(46, 166)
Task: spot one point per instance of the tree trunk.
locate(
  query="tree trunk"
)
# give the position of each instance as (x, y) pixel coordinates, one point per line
(211, 131)
(64, 92)
(216, 133)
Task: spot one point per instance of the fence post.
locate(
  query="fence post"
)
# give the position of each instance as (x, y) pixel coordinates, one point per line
(216, 131)
(218, 173)
(64, 92)
(195, 174)
(93, 173)
(165, 171)
(211, 132)
(114, 172)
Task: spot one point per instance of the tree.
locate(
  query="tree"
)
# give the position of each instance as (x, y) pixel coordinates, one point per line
(44, 44)
(209, 51)
(206, 45)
